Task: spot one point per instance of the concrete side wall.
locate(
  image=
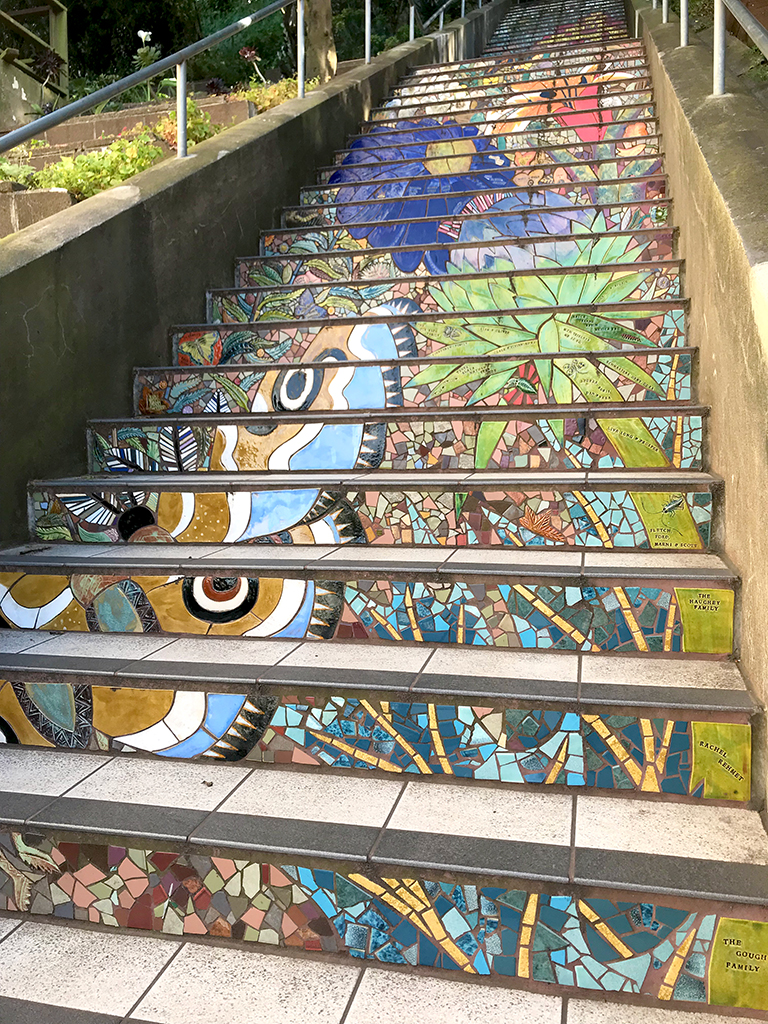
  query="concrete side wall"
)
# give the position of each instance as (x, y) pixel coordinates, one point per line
(717, 159)
(18, 91)
(90, 293)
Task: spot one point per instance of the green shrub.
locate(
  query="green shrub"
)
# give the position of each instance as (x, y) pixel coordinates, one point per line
(16, 172)
(199, 127)
(89, 173)
(264, 96)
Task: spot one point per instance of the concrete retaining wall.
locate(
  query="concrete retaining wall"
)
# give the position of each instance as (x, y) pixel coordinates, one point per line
(90, 293)
(717, 159)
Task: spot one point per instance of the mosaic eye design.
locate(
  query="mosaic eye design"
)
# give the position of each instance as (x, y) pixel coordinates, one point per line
(219, 598)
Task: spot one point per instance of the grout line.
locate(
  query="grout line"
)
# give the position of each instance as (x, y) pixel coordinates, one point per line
(153, 982)
(572, 856)
(15, 928)
(353, 994)
(564, 1011)
(387, 820)
(67, 792)
(223, 800)
(93, 771)
(422, 670)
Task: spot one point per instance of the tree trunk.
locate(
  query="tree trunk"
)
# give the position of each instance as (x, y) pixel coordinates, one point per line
(321, 49)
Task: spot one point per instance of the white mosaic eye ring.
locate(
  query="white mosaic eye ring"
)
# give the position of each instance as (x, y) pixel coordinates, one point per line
(219, 598)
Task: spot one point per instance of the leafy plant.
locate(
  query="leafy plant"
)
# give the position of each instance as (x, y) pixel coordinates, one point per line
(21, 173)
(519, 336)
(266, 95)
(89, 173)
(145, 56)
(199, 126)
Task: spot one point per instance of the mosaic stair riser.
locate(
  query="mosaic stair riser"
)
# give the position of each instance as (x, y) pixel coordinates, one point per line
(241, 389)
(402, 330)
(634, 107)
(536, 55)
(539, 74)
(576, 37)
(632, 284)
(626, 84)
(425, 206)
(380, 184)
(632, 138)
(521, 440)
(645, 616)
(658, 245)
(659, 520)
(649, 753)
(616, 91)
(485, 153)
(521, 167)
(507, 218)
(652, 945)
(526, 66)
(526, 74)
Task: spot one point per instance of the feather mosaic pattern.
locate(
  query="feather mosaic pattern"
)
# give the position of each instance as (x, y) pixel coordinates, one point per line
(660, 616)
(531, 518)
(643, 948)
(504, 744)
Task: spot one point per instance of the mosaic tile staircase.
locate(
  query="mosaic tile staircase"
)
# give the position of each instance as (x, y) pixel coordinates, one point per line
(425, 496)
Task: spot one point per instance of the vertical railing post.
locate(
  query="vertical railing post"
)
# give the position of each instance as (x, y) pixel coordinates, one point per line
(637, 24)
(440, 23)
(655, 4)
(683, 22)
(367, 31)
(181, 109)
(665, 11)
(412, 22)
(300, 59)
(718, 52)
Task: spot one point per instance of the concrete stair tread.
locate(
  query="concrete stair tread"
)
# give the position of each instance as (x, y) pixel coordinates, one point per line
(149, 975)
(531, 836)
(39, 986)
(586, 410)
(375, 479)
(319, 560)
(420, 672)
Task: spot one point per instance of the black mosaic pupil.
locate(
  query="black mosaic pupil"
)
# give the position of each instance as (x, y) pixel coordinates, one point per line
(134, 519)
(221, 584)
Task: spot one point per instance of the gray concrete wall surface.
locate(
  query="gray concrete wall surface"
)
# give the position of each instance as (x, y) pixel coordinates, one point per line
(716, 151)
(90, 293)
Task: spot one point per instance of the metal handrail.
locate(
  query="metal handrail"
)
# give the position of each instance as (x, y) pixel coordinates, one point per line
(441, 12)
(757, 33)
(177, 60)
